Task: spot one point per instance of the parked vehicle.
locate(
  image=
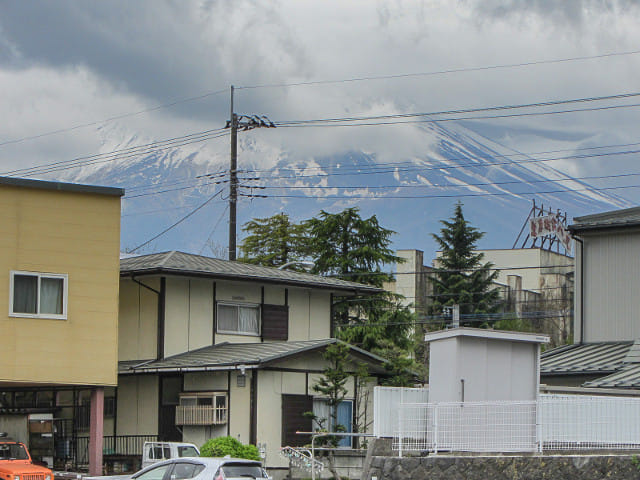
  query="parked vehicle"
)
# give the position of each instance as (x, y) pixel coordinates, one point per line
(153, 452)
(16, 463)
(202, 468)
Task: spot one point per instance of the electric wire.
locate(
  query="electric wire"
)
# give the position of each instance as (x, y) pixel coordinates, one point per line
(110, 119)
(120, 154)
(182, 219)
(440, 72)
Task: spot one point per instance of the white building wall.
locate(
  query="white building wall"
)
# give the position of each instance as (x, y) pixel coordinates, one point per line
(479, 369)
(611, 275)
(137, 405)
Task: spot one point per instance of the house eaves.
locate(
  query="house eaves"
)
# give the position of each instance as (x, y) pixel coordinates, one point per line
(189, 265)
(239, 356)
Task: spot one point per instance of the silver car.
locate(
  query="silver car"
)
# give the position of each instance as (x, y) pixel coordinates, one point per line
(202, 468)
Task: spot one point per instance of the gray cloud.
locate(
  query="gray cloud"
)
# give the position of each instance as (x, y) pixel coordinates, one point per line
(65, 63)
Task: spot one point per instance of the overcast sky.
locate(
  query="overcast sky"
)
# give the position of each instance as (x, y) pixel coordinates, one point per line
(68, 63)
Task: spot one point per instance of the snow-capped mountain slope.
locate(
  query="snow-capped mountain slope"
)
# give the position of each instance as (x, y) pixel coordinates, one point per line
(409, 194)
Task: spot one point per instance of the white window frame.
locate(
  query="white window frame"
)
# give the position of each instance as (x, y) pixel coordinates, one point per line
(239, 304)
(40, 275)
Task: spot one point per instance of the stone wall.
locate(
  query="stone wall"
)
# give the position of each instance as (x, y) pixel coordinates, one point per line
(445, 467)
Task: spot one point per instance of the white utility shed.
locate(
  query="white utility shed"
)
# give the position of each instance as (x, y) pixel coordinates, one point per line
(477, 365)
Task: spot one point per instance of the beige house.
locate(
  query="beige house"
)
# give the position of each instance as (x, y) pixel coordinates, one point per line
(59, 262)
(209, 347)
(606, 350)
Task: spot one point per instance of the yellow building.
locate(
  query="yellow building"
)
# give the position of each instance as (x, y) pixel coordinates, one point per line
(59, 269)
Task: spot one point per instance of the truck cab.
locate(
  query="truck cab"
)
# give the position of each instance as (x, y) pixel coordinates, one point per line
(16, 463)
(153, 452)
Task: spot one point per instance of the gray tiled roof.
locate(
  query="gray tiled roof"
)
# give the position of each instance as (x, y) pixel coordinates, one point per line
(180, 263)
(615, 218)
(232, 355)
(628, 377)
(586, 358)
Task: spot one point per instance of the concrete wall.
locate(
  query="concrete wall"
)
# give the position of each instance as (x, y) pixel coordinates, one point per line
(77, 234)
(610, 272)
(564, 467)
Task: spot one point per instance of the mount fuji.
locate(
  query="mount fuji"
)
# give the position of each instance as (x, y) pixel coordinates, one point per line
(409, 193)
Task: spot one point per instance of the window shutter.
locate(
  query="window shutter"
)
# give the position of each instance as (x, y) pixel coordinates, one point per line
(293, 420)
(275, 322)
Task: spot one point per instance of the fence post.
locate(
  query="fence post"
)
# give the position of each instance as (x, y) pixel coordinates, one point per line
(435, 428)
(400, 429)
(538, 425)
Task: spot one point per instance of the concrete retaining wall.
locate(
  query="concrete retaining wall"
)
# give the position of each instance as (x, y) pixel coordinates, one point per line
(561, 467)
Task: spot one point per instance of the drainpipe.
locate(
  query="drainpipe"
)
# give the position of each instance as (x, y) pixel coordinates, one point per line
(581, 242)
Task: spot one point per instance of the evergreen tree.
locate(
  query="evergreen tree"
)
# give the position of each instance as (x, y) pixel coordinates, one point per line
(349, 247)
(273, 242)
(461, 277)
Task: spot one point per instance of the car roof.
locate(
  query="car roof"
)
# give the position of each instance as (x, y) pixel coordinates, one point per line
(213, 462)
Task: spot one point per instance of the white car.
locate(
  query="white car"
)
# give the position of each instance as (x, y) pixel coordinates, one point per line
(202, 468)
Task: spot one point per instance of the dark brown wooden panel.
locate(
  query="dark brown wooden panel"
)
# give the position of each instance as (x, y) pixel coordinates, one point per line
(275, 322)
(293, 419)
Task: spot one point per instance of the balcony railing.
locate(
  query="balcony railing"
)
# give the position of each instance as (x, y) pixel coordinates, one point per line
(201, 415)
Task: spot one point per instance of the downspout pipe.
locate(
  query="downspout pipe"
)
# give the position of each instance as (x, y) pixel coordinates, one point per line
(581, 242)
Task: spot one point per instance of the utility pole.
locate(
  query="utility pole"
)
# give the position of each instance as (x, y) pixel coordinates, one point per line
(233, 181)
(246, 123)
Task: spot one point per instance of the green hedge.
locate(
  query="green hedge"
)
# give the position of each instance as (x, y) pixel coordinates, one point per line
(223, 446)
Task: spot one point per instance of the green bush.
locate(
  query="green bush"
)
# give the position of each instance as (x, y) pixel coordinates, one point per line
(223, 446)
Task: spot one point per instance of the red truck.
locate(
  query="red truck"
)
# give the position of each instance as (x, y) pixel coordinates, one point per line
(16, 463)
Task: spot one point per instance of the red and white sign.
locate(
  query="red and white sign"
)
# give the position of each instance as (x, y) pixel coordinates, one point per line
(550, 225)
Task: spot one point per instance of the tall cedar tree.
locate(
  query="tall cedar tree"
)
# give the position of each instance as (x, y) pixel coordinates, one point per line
(349, 247)
(273, 242)
(461, 277)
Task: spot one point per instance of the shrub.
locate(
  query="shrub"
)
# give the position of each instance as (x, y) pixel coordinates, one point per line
(223, 446)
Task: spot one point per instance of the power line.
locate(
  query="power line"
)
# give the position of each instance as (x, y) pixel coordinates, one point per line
(176, 223)
(441, 72)
(545, 103)
(120, 154)
(110, 119)
(460, 195)
(302, 124)
(449, 185)
(493, 155)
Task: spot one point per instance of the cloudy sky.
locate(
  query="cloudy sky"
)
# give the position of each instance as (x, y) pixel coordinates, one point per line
(72, 66)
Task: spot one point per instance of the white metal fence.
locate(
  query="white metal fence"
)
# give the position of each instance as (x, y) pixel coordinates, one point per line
(386, 401)
(581, 422)
(467, 427)
(554, 422)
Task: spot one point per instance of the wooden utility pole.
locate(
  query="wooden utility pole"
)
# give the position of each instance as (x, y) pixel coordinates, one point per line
(245, 122)
(233, 181)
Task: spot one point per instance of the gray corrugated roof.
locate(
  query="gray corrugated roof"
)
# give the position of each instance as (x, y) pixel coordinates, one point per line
(615, 218)
(628, 377)
(232, 355)
(65, 187)
(586, 358)
(181, 263)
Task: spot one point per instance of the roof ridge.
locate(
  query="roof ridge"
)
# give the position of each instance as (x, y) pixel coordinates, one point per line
(166, 258)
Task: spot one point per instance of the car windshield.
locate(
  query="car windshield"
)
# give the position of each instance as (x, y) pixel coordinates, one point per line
(13, 451)
(240, 470)
(187, 451)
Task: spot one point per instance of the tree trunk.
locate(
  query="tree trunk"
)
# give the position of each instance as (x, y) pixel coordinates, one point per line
(332, 465)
